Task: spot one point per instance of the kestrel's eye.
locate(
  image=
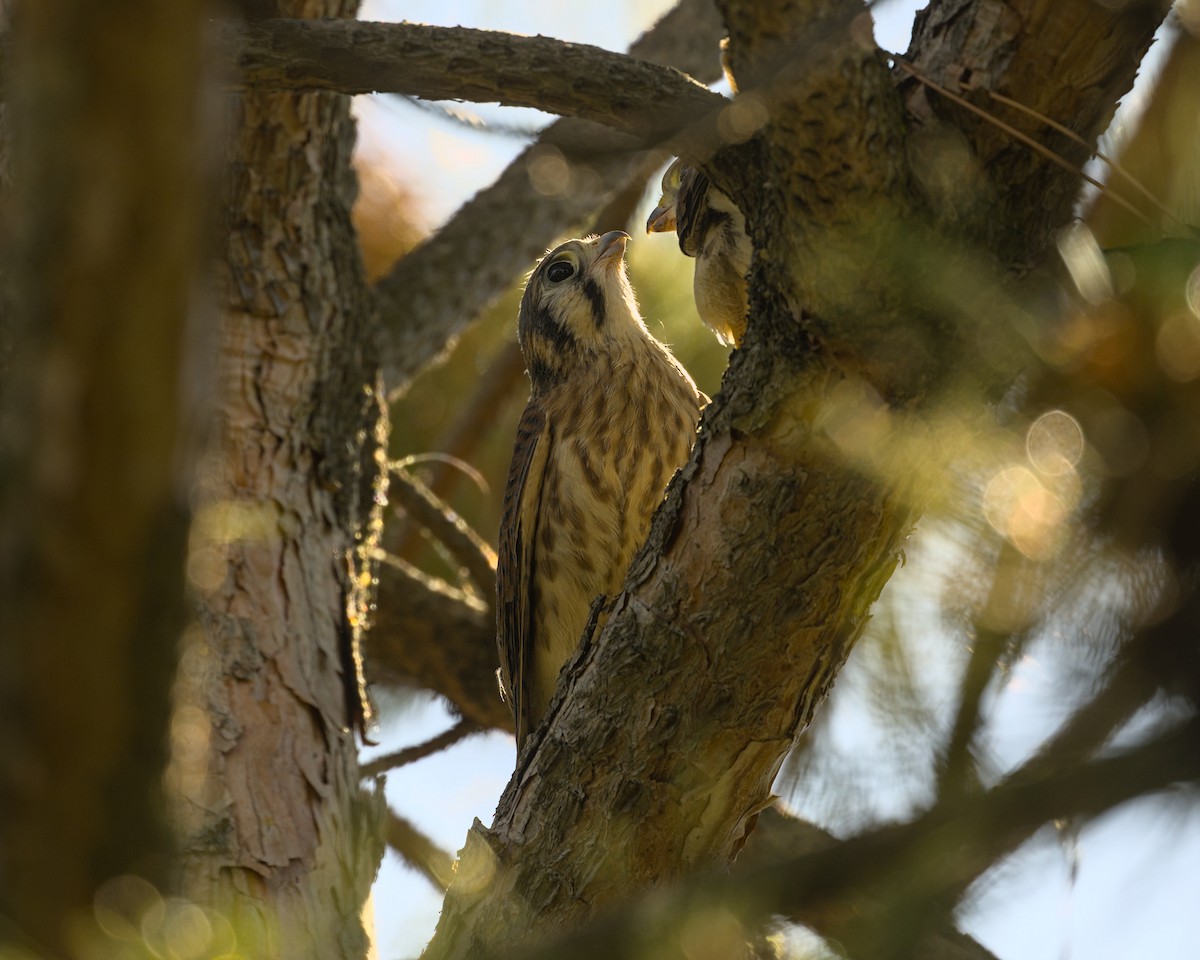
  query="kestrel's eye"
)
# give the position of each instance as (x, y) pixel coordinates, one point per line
(558, 271)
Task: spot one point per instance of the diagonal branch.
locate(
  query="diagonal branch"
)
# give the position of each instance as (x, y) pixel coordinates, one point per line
(667, 731)
(780, 837)
(457, 63)
(452, 531)
(400, 758)
(668, 728)
(418, 850)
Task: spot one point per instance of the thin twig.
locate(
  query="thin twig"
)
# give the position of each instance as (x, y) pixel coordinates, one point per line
(502, 376)
(477, 417)
(390, 761)
(958, 771)
(444, 460)
(464, 544)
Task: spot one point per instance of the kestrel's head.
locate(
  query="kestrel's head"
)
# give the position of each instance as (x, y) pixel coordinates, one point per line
(662, 217)
(577, 300)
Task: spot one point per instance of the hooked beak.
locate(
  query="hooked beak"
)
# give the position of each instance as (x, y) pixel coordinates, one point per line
(612, 246)
(661, 219)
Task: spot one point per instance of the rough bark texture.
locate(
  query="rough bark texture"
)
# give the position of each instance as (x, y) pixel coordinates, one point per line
(828, 184)
(103, 252)
(667, 734)
(280, 835)
(662, 745)
(436, 63)
(434, 292)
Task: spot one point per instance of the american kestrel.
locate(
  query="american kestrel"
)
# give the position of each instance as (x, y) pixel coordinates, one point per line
(611, 416)
(712, 229)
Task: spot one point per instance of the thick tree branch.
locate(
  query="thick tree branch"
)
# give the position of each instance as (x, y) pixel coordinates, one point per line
(289, 853)
(780, 837)
(456, 63)
(776, 837)
(668, 729)
(667, 732)
(827, 220)
(435, 291)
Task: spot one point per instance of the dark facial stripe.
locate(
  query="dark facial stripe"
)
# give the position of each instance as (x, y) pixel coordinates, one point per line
(541, 323)
(591, 290)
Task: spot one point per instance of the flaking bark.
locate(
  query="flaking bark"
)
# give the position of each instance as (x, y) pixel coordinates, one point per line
(280, 837)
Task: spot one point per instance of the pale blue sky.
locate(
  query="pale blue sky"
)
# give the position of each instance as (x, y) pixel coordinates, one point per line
(1138, 880)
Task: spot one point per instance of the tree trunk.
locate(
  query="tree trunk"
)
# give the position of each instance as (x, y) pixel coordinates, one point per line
(278, 833)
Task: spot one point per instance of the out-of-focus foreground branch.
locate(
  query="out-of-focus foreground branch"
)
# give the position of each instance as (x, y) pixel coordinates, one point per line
(101, 374)
(938, 850)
